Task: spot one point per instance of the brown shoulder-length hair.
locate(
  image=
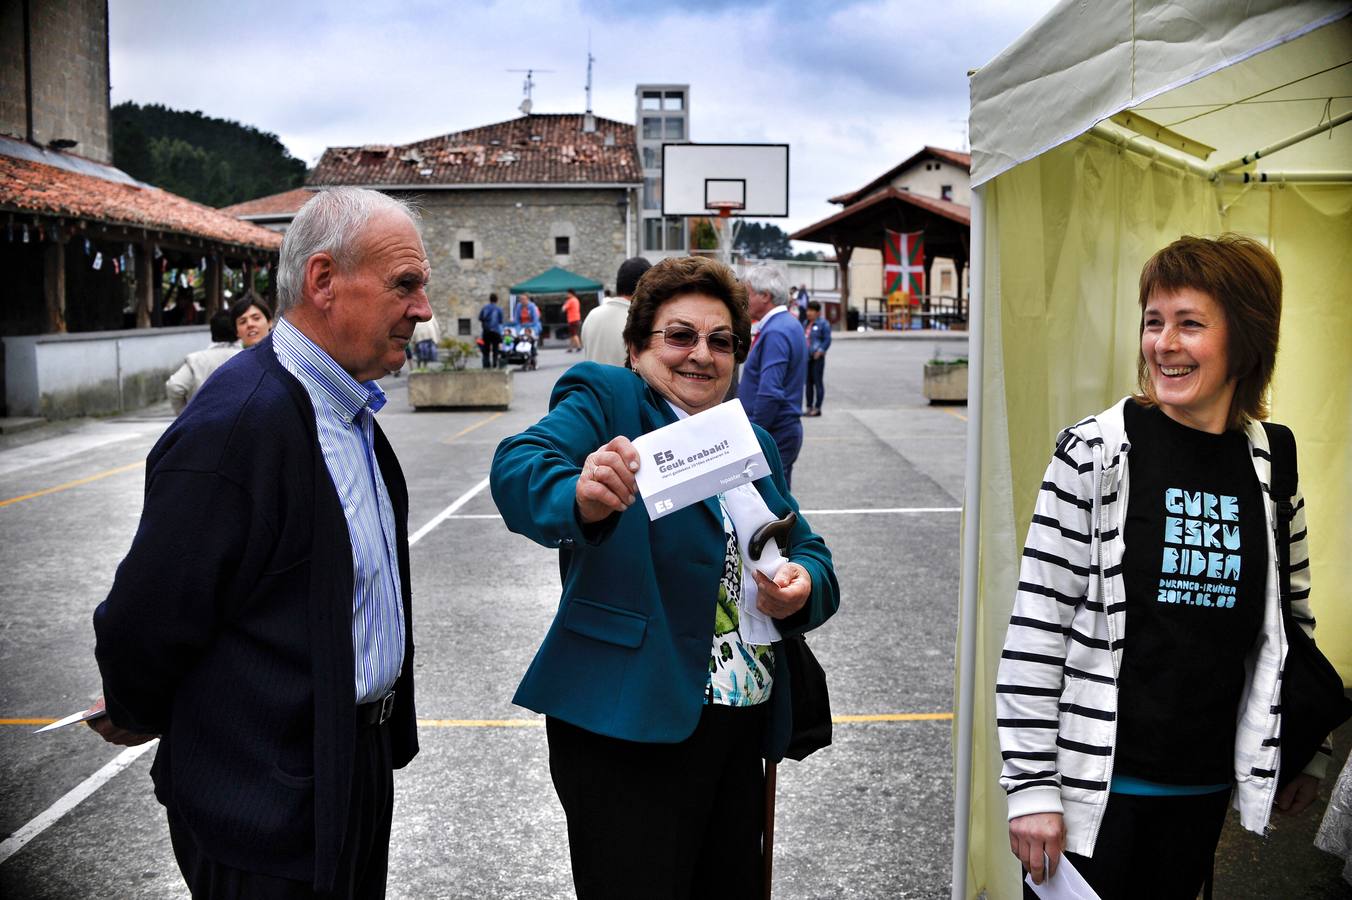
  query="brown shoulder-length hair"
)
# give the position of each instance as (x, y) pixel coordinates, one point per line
(677, 277)
(1243, 277)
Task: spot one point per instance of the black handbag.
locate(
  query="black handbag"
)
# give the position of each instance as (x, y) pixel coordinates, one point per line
(1313, 701)
(811, 729)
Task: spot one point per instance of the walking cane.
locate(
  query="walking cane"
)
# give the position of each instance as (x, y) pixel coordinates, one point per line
(768, 844)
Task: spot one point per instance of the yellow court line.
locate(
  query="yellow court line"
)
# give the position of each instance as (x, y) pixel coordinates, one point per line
(26, 721)
(70, 484)
(894, 717)
(481, 723)
(466, 430)
(953, 412)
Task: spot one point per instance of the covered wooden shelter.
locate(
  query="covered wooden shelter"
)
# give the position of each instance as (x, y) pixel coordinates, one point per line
(84, 242)
(861, 224)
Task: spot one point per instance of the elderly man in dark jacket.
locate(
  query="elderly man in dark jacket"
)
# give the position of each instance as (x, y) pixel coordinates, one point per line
(261, 622)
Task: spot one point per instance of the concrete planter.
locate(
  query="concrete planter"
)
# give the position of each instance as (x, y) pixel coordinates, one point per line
(946, 383)
(460, 389)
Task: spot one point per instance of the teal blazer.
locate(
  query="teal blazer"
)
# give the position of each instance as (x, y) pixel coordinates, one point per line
(628, 652)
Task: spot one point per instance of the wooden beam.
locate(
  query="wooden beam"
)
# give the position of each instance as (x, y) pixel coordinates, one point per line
(143, 268)
(54, 284)
(213, 284)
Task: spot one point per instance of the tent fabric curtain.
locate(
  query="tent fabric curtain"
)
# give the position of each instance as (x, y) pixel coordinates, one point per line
(1066, 236)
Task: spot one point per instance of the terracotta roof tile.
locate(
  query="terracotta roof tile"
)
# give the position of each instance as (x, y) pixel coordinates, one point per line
(285, 203)
(536, 149)
(27, 186)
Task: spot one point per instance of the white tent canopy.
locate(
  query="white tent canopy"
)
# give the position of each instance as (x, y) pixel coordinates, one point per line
(1104, 133)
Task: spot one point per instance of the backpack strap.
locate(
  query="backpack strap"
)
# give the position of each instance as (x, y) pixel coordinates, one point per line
(1282, 451)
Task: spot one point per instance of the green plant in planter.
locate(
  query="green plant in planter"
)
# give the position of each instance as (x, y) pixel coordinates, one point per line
(458, 353)
(960, 361)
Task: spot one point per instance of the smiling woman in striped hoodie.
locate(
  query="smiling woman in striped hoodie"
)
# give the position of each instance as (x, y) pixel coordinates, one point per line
(1139, 684)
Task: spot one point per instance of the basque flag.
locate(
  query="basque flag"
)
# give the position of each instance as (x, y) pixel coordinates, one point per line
(904, 263)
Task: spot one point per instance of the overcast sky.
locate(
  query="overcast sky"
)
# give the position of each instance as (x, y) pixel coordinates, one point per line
(853, 87)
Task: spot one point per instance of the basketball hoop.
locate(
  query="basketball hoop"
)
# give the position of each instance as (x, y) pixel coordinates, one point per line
(725, 207)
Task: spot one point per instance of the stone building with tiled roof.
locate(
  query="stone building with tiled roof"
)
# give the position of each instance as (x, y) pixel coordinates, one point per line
(274, 211)
(504, 202)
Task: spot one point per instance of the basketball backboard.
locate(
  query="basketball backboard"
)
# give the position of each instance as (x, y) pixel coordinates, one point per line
(698, 179)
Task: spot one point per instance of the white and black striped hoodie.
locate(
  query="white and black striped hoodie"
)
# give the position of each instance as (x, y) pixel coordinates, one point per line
(1056, 691)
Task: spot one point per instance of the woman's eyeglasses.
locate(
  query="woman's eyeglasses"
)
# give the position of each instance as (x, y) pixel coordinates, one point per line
(678, 337)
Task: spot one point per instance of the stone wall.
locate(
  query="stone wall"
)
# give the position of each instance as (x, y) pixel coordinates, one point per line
(68, 41)
(512, 232)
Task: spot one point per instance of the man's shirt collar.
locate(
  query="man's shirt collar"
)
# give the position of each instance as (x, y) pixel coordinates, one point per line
(303, 358)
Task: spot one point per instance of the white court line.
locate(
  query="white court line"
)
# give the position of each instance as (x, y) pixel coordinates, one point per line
(84, 789)
(448, 511)
(889, 511)
(77, 795)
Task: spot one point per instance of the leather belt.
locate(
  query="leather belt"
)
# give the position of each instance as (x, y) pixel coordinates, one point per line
(377, 712)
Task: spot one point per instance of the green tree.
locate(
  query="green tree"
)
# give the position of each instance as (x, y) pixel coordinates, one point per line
(213, 161)
(764, 240)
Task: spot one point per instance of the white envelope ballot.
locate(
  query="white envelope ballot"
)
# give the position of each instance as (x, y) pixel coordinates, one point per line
(694, 459)
(1066, 884)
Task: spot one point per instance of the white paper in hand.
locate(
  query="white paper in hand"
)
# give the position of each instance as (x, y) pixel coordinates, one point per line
(696, 458)
(1066, 884)
(748, 512)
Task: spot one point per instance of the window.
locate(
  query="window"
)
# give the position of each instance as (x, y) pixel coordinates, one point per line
(462, 326)
(946, 192)
(652, 234)
(673, 100)
(652, 99)
(675, 130)
(561, 246)
(652, 128)
(651, 158)
(652, 193)
(675, 233)
(466, 249)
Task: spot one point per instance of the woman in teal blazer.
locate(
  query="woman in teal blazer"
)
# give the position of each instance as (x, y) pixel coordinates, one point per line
(659, 715)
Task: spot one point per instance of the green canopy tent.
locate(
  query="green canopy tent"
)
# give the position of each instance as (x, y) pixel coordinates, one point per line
(554, 283)
(557, 281)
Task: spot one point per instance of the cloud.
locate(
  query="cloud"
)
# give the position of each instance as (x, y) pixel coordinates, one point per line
(854, 87)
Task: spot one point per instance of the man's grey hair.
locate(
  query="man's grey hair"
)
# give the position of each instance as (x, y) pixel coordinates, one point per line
(767, 280)
(330, 222)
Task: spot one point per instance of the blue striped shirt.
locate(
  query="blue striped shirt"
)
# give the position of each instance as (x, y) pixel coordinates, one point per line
(344, 415)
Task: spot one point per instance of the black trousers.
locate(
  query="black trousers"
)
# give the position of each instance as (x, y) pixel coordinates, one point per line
(492, 348)
(364, 860)
(665, 821)
(1156, 847)
(816, 383)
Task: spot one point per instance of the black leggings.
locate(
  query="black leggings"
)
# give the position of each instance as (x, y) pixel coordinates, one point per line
(1156, 847)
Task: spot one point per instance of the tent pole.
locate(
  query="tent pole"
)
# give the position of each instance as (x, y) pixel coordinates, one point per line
(971, 537)
(1270, 149)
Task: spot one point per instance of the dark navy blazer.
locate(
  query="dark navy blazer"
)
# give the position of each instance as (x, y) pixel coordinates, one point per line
(628, 652)
(773, 377)
(228, 629)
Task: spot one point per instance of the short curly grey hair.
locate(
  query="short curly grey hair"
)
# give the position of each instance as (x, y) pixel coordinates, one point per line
(767, 280)
(329, 222)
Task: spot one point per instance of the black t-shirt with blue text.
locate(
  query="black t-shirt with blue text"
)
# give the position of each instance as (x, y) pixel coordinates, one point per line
(1195, 570)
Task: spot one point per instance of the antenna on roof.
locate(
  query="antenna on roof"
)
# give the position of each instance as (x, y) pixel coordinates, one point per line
(527, 86)
(589, 120)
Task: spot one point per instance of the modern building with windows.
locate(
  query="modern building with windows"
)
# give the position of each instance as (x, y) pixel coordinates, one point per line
(662, 117)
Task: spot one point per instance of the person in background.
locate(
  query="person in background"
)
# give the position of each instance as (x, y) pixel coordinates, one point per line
(818, 342)
(253, 319)
(528, 316)
(603, 329)
(261, 623)
(800, 300)
(490, 320)
(426, 336)
(1140, 682)
(771, 386)
(198, 365)
(572, 313)
(660, 710)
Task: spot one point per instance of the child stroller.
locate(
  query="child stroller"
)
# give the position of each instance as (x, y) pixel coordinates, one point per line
(518, 347)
